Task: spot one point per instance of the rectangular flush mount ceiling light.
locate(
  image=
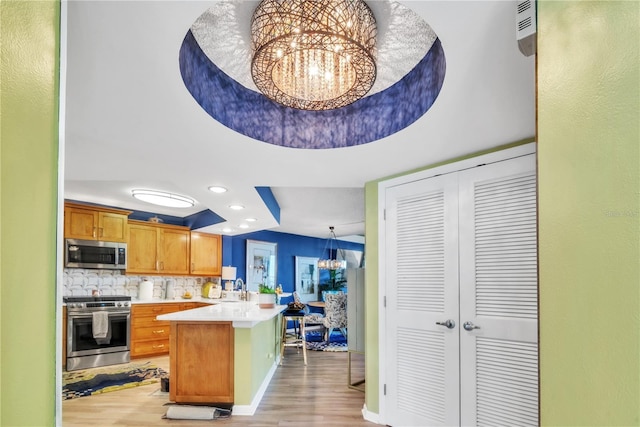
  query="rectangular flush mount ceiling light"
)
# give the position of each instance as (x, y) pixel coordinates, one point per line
(162, 198)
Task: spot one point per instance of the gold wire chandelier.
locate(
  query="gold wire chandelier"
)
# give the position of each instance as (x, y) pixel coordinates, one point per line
(313, 54)
(332, 263)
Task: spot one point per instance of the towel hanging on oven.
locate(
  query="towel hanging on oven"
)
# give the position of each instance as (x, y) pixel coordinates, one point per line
(100, 324)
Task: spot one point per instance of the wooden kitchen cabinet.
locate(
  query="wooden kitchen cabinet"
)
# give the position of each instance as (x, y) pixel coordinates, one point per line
(190, 305)
(206, 254)
(150, 337)
(95, 223)
(192, 375)
(174, 249)
(158, 249)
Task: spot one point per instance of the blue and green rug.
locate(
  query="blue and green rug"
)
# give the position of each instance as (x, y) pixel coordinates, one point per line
(92, 381)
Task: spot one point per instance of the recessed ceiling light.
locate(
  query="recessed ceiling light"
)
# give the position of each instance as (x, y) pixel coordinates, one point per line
(236, 207)
(250, 219)
(162, 198)
(227, 230)
(217, 189)
(243, 226)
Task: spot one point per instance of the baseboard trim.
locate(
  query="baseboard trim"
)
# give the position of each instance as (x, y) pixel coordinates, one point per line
(249, 410)
(370, 416)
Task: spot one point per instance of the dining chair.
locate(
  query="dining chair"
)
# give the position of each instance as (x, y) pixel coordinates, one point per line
(335, 314)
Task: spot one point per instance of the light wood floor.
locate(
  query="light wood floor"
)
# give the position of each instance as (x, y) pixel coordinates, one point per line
(315, 395)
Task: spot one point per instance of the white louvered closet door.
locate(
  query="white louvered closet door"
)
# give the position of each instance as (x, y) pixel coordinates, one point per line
(498, 294)
(422, 288)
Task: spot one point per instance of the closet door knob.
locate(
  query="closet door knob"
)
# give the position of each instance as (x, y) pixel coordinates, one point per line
(448, 323)
(469, 326)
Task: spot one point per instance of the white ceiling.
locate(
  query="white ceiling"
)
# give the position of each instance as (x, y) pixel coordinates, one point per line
(130, 122)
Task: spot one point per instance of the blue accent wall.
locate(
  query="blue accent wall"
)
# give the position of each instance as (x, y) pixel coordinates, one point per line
(270, 201)
(234, 252)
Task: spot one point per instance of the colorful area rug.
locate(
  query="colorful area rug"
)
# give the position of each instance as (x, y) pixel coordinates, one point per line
(315, 341)
(88, 382)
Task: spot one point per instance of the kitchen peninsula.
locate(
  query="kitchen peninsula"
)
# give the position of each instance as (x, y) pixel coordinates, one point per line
(223, 353)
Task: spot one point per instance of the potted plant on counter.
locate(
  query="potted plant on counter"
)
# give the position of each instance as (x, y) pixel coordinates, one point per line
(266, 296)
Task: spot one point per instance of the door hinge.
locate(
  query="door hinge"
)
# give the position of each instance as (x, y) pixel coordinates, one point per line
(384, 214)
(384, 301)
(384, 389)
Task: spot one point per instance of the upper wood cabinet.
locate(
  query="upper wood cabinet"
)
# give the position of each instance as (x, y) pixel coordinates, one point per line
(158, 248)
(95, 223)
(206, 254)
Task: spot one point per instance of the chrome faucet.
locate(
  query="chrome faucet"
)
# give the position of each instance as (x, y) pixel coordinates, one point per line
(243, 289)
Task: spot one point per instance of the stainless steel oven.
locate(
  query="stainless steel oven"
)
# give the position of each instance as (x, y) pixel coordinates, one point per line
(86, 348)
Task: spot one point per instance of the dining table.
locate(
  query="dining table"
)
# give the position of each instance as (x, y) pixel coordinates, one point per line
(316, 304)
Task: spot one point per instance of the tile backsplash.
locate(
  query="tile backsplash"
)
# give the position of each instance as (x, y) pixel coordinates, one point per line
(82, 282)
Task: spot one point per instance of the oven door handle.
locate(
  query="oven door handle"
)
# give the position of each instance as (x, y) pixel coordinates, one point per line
(90, 314)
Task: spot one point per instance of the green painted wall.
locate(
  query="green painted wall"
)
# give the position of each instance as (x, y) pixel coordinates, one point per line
(589, 212)
(28, 179)
(589, 216)
(255, 350)
(371, 340)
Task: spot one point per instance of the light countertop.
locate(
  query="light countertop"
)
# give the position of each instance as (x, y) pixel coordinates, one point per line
(243, 314)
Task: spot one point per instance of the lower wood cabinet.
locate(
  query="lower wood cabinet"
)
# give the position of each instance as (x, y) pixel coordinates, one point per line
(150, 337)
(202, 365)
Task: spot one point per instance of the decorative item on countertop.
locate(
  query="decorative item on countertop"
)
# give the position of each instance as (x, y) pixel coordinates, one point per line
(266, 297)
(207, 289)
(228, 274)
(171, 292)
(216, 291)
(146, 290)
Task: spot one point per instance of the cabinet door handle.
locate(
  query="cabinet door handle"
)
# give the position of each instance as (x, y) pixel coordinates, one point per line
(158, 346)
(157, 265)
(161, 331)
(156, 309)
(193, 266)
(101, 231)
(94, 232)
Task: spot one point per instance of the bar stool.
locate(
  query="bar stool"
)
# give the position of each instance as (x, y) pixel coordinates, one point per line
(297, 338)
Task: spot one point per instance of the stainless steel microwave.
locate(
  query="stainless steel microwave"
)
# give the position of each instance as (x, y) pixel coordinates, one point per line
(95, 254)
